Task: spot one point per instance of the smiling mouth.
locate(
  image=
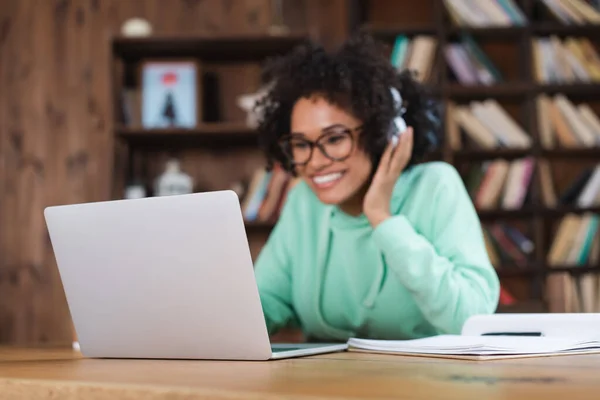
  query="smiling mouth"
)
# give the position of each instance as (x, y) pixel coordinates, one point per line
(327, 181)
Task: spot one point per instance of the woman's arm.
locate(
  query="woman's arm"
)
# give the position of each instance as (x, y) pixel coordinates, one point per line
(449, 274)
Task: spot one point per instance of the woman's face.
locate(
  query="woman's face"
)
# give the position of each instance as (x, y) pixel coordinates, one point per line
(339, 176)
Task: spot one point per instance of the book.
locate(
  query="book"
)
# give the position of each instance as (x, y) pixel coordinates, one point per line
(493, 337)
(480, 347)
(485, 13)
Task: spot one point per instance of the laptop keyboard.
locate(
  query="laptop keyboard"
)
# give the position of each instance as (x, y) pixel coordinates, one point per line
(276, 348)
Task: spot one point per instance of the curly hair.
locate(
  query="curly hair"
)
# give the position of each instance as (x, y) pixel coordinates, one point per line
(356, 77)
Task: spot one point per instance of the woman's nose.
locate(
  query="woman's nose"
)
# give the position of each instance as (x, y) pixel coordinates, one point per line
(319, 160)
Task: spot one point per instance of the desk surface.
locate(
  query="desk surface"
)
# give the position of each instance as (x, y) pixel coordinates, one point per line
(55, 373)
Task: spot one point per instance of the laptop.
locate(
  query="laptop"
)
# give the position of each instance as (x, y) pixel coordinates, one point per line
(164, 278)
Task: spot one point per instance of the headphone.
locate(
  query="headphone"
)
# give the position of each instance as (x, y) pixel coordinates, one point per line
(398, 125)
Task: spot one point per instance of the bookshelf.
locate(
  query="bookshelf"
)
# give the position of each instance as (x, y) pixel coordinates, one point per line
(221, 150)
(510, 49)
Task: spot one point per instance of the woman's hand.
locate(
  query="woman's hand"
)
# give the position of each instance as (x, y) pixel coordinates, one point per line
(376, 204)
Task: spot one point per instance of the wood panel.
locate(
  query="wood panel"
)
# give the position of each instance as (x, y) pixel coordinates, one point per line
(56, 126)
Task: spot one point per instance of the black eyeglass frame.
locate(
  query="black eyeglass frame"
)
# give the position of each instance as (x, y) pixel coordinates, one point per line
(284, 141)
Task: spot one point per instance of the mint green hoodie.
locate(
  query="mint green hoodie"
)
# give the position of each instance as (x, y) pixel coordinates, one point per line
(423, 271)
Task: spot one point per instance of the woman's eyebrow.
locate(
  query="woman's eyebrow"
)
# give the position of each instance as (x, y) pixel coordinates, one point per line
(324, 130)
(327, 128)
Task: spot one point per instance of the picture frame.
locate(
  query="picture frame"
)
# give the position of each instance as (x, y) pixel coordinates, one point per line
(171, 96)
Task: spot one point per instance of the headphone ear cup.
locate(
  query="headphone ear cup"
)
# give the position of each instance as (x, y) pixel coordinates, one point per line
(399, 124)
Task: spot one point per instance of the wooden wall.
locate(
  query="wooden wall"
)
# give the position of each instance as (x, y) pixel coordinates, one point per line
(56, 137)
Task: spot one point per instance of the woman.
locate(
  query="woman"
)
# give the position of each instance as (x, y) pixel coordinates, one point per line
(369, 243)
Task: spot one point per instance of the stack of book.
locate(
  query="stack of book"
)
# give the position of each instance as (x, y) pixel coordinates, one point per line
(567, 60)
(483, 13)
(487, 125)
(574, 293)
(573, 241)
(266, 194)
(575, 12)
(500, 184)
(563, 124)
(415, 54)
(507, 246)
(549, 196)
(469, 63)
(577, 243)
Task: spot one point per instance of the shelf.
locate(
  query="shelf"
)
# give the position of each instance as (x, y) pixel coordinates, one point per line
(561, 211)
(589, 153)
(517, 89)
(495, 32)
(492, 154)
(572, 269)
(530, 212)
(258, 226)
(499, 214)
(498, 32)
(523, 306)
(565, 30)
(389, 33)
(591, 89)
(583, 153)
(516, 271)
(213, 133)
(533, 269)
(215, 48)
(509, 89)
(539, 29)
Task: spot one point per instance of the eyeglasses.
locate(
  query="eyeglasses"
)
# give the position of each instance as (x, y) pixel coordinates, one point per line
(336, 144)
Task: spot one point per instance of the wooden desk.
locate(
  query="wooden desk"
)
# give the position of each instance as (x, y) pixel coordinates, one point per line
(63, 374)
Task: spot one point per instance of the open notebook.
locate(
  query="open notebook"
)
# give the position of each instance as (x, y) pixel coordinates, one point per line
(522, 335)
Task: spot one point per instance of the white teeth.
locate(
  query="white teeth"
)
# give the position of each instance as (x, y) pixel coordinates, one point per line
(319, 180)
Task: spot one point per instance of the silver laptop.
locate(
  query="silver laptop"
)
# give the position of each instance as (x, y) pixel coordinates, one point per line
(164, 277)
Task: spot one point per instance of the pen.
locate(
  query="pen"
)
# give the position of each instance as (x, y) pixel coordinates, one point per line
(513, 334)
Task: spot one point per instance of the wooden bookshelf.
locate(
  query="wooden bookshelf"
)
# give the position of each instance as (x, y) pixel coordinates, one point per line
(219, 152)
(386, 19)
(510, 48)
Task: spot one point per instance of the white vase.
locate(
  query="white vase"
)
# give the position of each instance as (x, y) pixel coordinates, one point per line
(173, 181)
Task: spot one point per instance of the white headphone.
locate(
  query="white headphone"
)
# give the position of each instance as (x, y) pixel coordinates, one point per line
(399, 124)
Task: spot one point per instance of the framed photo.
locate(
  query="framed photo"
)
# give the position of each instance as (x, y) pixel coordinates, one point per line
(170, 95)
